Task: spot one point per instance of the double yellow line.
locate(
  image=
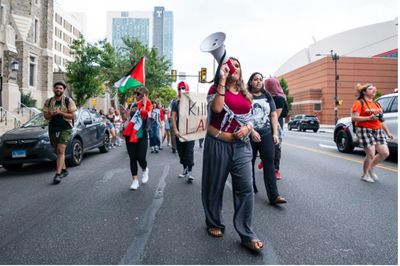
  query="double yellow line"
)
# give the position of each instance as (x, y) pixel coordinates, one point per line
(393, 169)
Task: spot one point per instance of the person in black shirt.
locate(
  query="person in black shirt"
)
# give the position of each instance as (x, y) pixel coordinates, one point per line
(59, 111)
(185, 148)
(274, 88)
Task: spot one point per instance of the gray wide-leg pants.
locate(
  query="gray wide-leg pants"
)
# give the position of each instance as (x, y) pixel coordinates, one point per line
(221, 158)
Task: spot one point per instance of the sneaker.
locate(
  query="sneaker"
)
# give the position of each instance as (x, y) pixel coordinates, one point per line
(160, 148)
(135, 184)
(373, 175)
(367, 178)
(184, 173)
(189, 176)
(156, 151)
(173, 150)
(278, 175)
(57, 179)
(145, 176)
(64, 173)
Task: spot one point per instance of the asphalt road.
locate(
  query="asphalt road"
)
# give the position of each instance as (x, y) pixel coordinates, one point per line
(93, 218)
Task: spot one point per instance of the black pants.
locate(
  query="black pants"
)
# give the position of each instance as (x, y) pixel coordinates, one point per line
(137, 154)
(185, 152)
(267, 154)
(277, 159)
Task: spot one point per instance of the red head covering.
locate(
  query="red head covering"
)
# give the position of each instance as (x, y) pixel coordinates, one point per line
(184, 85)
(272, 86)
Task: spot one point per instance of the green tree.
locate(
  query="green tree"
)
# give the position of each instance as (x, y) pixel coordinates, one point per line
(110, 64)
(165, 94)
(156, 67)
(84, 72)
(289, 99)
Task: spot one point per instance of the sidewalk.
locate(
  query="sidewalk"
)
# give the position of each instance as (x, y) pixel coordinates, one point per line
(326, 128)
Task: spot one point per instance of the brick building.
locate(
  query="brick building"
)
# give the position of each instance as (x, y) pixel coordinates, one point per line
(313, 85)
(366, 55)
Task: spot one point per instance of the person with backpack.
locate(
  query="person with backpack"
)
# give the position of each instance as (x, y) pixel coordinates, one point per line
(59, 112)
(273, 86)
(370, 127)
(264, 135)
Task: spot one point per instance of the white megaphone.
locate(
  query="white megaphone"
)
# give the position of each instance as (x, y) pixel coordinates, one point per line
(214, 44)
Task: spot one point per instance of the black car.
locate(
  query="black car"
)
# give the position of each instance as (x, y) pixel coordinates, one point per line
(304, 122)
(31, 144)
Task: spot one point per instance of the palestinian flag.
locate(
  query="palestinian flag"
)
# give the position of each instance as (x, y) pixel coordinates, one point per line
(134, 78)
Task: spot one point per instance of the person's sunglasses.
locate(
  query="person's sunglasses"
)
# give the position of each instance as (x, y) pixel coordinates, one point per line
(138, 93)
(182, 88)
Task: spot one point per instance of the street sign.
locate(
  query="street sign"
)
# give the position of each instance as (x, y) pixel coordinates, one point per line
(182, 75)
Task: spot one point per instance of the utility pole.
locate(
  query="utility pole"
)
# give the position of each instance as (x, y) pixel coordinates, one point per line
(335, 58)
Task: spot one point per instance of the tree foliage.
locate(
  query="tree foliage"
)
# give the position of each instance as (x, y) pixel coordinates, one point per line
(289, 99)
(164, 94)
(84, 72)
(96, 67)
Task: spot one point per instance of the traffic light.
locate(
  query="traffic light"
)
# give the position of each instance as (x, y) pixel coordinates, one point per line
(203, 75)
(173, 75)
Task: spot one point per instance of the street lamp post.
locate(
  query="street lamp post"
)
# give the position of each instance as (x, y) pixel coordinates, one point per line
(335, 58)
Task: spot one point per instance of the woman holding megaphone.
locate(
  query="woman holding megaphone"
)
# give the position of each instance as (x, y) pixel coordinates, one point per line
(227, 150)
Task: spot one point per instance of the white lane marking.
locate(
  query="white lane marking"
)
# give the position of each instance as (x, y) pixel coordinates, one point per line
(328, 146)
(134, 254)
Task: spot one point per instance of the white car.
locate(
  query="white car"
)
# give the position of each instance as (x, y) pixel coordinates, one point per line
(346, 139)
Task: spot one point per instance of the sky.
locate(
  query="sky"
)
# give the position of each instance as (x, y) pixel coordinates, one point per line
(262, 34)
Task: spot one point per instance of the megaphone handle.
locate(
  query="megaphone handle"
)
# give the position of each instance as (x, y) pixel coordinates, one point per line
(222, 58)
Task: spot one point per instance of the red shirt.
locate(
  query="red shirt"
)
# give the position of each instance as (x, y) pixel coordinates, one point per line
(238, 103)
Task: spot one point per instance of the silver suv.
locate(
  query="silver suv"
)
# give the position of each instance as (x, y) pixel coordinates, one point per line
(346, 139)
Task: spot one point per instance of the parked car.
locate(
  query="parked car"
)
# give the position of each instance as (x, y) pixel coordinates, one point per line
(346, 140)
(304, 122)
(31, 144)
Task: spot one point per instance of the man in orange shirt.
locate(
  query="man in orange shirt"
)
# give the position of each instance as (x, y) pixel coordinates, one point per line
(368, 117)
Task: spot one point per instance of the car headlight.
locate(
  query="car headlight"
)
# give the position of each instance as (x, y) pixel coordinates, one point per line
(45, 140)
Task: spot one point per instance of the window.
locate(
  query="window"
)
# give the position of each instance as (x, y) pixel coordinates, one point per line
(317, 107)
(59, 19)
(394, 105)
(3, 15)
(32, 71)
(36, 31)
(384, 102)
(85, 116)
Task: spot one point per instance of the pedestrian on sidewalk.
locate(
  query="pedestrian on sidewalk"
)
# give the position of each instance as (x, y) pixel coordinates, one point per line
(136, 138)
(227, 150)
(273, 86)
(185, 148)
(264, 136)
(110, 125)
(370, 127)
(118, 127)
(59, 112)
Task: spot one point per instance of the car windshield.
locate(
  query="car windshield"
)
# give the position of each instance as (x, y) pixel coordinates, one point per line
(36, 121)
(39, 121)
(310, 117)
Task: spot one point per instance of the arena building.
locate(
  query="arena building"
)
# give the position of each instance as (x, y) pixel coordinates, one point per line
(364, 55)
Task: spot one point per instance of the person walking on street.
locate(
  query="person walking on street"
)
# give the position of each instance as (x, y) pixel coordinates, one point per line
(173, 138)
(264, 135)
(59, 112)
(136, 138)
(155, 139)
(185, 148)
(167, 131)
(370, 127)
(273, 86)
(227, 150)
(117, 126)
